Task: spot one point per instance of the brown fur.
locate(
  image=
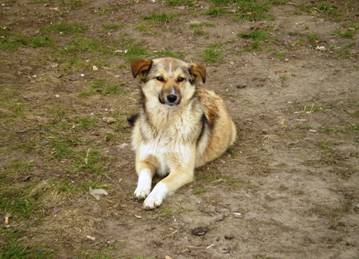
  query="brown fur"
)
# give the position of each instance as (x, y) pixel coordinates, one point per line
(174, 137)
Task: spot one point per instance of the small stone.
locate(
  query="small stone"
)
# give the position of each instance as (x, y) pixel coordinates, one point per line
(199, 231)
(241, 86)
(123, 145)
(321, 48)
(109, 120)
(94, 68)
(228, 237)
(91, 238)
(237, 214)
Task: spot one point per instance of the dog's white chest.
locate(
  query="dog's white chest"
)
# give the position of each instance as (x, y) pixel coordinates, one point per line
(167, 151)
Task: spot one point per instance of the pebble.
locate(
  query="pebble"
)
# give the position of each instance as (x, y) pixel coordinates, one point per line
(241, 86)
(199, 231)
(109, 120)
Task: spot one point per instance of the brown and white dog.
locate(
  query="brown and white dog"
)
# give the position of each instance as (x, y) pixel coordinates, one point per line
(180, 126)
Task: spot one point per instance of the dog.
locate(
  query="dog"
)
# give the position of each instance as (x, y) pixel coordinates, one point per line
(180, 126)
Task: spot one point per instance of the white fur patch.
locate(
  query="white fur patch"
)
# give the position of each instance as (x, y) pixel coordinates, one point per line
(143, 184)
(156, 197)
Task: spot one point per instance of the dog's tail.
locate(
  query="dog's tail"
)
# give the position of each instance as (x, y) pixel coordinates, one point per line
(132, 119)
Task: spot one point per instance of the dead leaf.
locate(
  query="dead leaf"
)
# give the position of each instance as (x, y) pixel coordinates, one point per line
(97, 193)
(91, 238)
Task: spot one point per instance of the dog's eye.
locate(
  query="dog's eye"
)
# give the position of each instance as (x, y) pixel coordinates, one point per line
(160, 78)
(180, 79)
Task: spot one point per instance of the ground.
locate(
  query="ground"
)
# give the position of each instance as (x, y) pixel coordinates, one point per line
(289, 73)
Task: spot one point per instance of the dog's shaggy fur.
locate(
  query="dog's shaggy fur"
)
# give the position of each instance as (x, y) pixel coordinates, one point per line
(181, 126)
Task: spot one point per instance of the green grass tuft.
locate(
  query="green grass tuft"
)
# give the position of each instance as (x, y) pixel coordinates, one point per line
(86, 122)
(215, 11)
(134, 50)
(160, 18)
(101, 87)
(65, 28)
(252, 10)
(213, 53)
(11, 246)
(112, 26)
(91, 162)
(41, 41)
(169, 53)
(256, 37)
(189, 3)
(85, 44)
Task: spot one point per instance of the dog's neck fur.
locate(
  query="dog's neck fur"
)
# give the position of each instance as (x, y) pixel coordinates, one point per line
(172, 121)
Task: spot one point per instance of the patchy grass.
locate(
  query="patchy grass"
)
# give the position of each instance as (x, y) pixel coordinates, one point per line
(345, 51)
(17, 201)
(166, 212)
(114, 26)
(41, 41)
(169, 53)
(256, 38)
(12, 247)
(134, 50)
(11, 102)
(215, 11)
(213, 53)
(86, 122)
(101, 87)
(160, 18)
(222, 2)
(212, 176)
(252, 10)
(85, 44)
(12, 41)
(65, 28)
(19, 166)
(198, 28)
(92, 162)
(313, 38)
(342, 129)
(63, 147)
(189, 3)
(348, 32)
(70, 63)
(322, 7)
(70, 4)
(326, 146)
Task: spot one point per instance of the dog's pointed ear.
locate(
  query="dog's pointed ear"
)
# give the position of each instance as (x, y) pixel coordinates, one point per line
(198, 70)
(141, 67)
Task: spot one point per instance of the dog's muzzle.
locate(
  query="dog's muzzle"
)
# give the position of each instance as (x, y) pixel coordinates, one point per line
(170, 98)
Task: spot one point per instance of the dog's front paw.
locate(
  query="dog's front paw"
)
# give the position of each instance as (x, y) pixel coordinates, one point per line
(142, 191)
(143, 185)
(156, 197)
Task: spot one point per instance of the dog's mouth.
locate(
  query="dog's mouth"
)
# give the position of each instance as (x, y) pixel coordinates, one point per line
(170, 99)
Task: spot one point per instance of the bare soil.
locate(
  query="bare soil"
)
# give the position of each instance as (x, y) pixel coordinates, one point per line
(288, 188)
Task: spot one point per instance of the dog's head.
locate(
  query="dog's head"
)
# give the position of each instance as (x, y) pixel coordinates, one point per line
(169, 81)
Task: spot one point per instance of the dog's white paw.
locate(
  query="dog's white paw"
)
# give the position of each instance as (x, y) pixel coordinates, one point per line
(141, 192)
(143, 185)
(156, 197)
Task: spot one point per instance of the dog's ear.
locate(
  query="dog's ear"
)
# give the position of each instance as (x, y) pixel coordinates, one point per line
(141, 67)
(198, 70)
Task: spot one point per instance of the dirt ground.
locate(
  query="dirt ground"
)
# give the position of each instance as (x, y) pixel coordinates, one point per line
(289, 73)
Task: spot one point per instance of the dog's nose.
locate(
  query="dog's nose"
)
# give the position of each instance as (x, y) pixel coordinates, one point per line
(171, 98)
